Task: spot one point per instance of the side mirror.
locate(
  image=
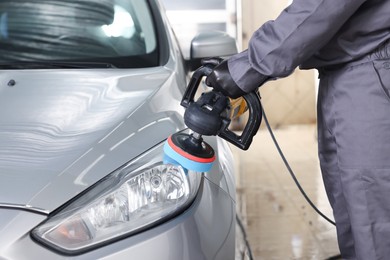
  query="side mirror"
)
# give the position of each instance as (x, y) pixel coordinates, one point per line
(210, 44)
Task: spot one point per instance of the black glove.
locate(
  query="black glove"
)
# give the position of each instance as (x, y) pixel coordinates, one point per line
(221, 80)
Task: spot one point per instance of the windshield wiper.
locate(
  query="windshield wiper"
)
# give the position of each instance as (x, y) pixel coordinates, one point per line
(55, 65)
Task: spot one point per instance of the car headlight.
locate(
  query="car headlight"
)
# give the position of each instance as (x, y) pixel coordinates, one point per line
(142, 193)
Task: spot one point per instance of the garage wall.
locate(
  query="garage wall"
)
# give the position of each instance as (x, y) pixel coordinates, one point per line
(286, 101)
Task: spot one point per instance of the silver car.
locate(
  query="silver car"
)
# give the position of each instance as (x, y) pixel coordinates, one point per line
(90, 90)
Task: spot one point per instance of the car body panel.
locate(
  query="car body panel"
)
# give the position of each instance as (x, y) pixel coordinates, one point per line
(63, 130)
(73, 132)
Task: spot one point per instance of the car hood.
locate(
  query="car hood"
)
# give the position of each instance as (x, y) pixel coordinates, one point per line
(63, 130)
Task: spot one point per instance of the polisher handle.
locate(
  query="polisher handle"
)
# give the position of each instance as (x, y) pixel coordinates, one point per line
(244, 140)
(194, 83)
(252, 99)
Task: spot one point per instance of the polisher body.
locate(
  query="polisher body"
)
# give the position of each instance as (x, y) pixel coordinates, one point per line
(210, 115)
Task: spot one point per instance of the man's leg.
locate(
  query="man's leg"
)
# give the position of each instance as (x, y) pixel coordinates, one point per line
(331, 173)
(356, 110)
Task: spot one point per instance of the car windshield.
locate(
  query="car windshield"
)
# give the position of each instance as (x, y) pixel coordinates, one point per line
(118, 33)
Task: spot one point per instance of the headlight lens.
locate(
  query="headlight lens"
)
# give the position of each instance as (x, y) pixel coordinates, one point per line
(136, 196)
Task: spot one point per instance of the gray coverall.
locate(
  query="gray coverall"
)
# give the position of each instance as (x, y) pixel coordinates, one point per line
(348, 42)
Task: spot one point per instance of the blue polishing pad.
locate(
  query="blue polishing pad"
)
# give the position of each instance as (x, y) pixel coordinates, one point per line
(184, 162)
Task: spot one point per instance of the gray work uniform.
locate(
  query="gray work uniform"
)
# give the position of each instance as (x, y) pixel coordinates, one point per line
(348, 42)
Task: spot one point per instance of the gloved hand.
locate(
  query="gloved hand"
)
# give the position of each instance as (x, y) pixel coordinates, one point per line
(221, 80)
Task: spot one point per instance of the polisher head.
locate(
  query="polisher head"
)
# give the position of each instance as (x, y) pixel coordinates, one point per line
(190, 152)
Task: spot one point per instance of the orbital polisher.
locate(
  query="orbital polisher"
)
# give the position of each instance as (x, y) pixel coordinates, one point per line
(211, 115)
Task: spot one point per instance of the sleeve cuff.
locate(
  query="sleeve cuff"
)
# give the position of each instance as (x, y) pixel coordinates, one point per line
(245, 77)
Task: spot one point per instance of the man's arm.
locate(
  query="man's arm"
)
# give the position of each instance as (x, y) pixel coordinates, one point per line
(279, 46)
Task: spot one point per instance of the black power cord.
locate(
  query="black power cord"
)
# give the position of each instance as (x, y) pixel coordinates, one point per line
(298, 185)
(295, 178)
(292, 172)
(238, 220)
(247, 245)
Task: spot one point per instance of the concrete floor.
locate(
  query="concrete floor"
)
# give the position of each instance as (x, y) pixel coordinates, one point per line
(279, 223)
